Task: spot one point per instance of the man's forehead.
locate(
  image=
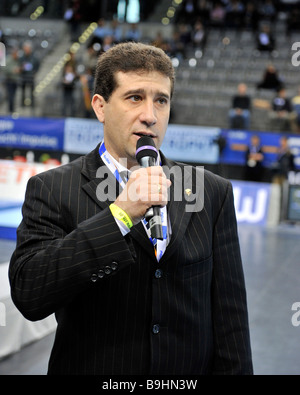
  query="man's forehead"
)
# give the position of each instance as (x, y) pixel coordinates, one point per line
(138, 75)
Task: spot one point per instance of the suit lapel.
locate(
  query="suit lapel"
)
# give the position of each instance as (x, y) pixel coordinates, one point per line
(101, 184)
(180, 204)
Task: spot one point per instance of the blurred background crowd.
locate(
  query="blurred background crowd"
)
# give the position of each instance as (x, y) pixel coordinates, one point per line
(233, 58)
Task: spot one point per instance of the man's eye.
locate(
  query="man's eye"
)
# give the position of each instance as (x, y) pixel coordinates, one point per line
(135, 98)
(162, 100)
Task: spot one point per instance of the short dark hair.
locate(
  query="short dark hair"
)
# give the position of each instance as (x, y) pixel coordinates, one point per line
(126, 57)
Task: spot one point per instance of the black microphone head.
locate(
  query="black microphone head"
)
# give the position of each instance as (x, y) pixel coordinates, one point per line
(145, 147)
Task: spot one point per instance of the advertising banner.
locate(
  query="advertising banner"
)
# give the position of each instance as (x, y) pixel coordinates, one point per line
(237, 142)
(32, 133)
(13, 181)
(191, 144)
(251, 201)
(82, 135)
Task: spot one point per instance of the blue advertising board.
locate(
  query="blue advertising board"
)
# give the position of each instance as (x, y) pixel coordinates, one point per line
(191, 144)
(251, 200)
(237, 142)
(82, 135)
(184, 143)
(32, 133)
(181, 142)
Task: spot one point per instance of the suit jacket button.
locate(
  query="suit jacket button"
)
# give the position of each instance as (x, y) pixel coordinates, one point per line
(114, 265)
(101, 273)
(107, 270)
(155, 329)
(158, 273)
(94, 277)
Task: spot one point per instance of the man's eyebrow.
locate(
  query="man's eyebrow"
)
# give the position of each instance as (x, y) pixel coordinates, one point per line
(141, 91)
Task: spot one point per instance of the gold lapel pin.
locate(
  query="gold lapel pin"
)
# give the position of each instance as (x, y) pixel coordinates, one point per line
(188, 191)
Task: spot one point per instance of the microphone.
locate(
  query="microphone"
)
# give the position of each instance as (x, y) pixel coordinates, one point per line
(146, 155)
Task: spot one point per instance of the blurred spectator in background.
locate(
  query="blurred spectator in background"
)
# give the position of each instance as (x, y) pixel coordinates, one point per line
(281, 112)
(73, 17)
(87, 85)
(29, 65)
(68, 83)
(198, 36)
(271, 79)
(108, 42)
(203, 11)
(116, 31)
(187, 12)
(90, 57)
(254, 159)
(217, 14)
(284, 163)
(267, 10)
(293, 21)
(12, 77)
(239, 114)
(101, 31)
(234, 14)
(251, 17)
(133, 33)
(87, 77)
(184, 34)
(176, 47)
(72, 61)
(296, 112)
(265, 39)
(159, 41)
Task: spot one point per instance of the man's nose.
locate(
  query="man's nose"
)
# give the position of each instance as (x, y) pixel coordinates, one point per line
(148, 113)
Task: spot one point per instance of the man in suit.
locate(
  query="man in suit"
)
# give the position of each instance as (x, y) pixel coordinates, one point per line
(125, 304)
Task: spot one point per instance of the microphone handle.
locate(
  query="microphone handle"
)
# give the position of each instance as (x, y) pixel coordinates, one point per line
(153, 213)
(154, 220)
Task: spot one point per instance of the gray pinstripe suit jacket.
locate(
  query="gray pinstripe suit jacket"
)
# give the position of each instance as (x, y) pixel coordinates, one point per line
(105, 290)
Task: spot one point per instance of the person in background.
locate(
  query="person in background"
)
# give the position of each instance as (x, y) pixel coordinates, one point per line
(295, 124)
(265, 39)
(68, 83)
(254, 160)
(73, 16)
(198, 36)
(217, 15)
(12, 78)
(133, 33)
(285, 162)
(102, 30)
(271, 79)
(235, 11)
(116, 31)
(251, 17)
(281, 112)
(239, 114)
(29, 65)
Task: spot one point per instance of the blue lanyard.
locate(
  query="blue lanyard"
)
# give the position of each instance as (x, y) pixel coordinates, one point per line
(160, 244)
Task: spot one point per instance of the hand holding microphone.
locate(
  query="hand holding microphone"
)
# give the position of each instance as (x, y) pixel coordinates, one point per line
(146, 190)
(146, 155)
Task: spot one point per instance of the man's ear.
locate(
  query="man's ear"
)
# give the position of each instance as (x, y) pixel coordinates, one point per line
(98, 104)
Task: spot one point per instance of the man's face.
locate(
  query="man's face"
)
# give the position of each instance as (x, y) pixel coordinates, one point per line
(140, 105)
